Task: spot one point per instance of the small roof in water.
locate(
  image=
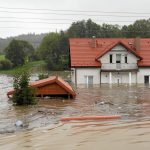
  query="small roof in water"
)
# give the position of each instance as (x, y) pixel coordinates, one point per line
(52, 79)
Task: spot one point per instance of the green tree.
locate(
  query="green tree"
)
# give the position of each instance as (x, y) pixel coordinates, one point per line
(28, 50)
(24, 94)
(14, 52)
(77, 29)
(54, 50)
(18, 52)
(110, 31)
(140, 28)
(92, 29)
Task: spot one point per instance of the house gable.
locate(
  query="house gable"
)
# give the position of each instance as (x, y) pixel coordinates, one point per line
(113, 46)
(118, 49)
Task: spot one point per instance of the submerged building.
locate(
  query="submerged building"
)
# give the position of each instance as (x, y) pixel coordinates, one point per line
(110, 60)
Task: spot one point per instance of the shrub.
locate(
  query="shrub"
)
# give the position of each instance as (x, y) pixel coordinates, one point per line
(43, 76)
(5, 64)
(24, 94)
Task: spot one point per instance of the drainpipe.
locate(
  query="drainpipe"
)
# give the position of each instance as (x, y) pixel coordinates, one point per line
(100, 77)
(75, 71)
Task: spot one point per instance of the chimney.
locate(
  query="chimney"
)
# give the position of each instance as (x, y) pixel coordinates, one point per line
(137, 43)
(94, 42)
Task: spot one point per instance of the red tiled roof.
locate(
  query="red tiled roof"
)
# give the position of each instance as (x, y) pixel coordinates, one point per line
(84, 55)
(48, 81)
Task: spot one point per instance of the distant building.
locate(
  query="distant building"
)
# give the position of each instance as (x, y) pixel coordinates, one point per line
(110, 60)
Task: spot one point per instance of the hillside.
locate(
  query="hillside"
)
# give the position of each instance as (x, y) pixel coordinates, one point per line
(34, 39)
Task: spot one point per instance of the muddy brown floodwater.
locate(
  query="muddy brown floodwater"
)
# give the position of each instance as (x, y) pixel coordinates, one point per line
(42, 129)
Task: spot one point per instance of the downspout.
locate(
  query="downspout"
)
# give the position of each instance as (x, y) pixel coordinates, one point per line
(75, 72)
(100, 77)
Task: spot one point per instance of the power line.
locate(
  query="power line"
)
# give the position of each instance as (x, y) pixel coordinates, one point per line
(34, 22)
(46, 13)
(52, 19)
(85, 11)
(16, 27)
(38, 18)
(92, 30)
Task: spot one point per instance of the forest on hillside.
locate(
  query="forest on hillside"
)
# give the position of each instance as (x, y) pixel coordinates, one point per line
(34, 39)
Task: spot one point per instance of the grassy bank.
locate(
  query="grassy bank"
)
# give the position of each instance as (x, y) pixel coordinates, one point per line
(2, 57)
(31, 66)
(35, 66)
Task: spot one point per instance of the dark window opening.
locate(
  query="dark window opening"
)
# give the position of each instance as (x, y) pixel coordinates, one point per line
(146, 79)
(126, 59)
(111, 58)
(118, 58)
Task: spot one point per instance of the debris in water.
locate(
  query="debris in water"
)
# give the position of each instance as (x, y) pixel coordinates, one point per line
(19, 123)
(102, 103)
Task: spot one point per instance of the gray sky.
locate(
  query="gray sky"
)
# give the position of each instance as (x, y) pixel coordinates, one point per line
(22, 21)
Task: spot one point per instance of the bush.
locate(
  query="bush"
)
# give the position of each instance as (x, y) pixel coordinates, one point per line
(43, 76)
(5, 64)
(24, 94)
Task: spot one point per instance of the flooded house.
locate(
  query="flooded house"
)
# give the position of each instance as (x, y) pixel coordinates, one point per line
(110, 60)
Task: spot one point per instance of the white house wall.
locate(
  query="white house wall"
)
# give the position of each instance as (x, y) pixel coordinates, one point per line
(82, 72)
(136, 77)
(141, 73)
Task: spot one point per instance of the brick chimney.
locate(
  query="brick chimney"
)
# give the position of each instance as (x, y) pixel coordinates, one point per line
(137, 43)
(94, 42)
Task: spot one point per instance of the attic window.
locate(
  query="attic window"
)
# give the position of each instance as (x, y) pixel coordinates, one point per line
(110, 57)
(126, 59)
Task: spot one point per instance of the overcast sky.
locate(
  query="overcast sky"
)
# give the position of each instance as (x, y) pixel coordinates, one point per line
(42, 16)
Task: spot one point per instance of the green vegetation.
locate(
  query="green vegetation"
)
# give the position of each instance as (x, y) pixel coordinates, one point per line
(30, 66)
(2, 57)
(24, 94)
(5, 64)
(139, 28)
(19, 52)
(54, 49)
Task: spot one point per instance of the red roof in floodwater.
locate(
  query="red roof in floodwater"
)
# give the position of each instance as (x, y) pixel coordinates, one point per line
(84, 54)
(50, 81)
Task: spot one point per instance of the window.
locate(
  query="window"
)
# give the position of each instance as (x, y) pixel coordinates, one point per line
(89, 80)
(146, 79)
(110, 57)
(126, 59)
(118, 58)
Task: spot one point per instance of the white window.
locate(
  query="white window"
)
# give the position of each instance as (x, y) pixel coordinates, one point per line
(89, 80)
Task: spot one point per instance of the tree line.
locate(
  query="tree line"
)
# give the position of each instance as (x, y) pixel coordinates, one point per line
(54, 48)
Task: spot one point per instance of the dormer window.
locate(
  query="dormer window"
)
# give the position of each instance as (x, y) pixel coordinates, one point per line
(126, 59)
(110, 58)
